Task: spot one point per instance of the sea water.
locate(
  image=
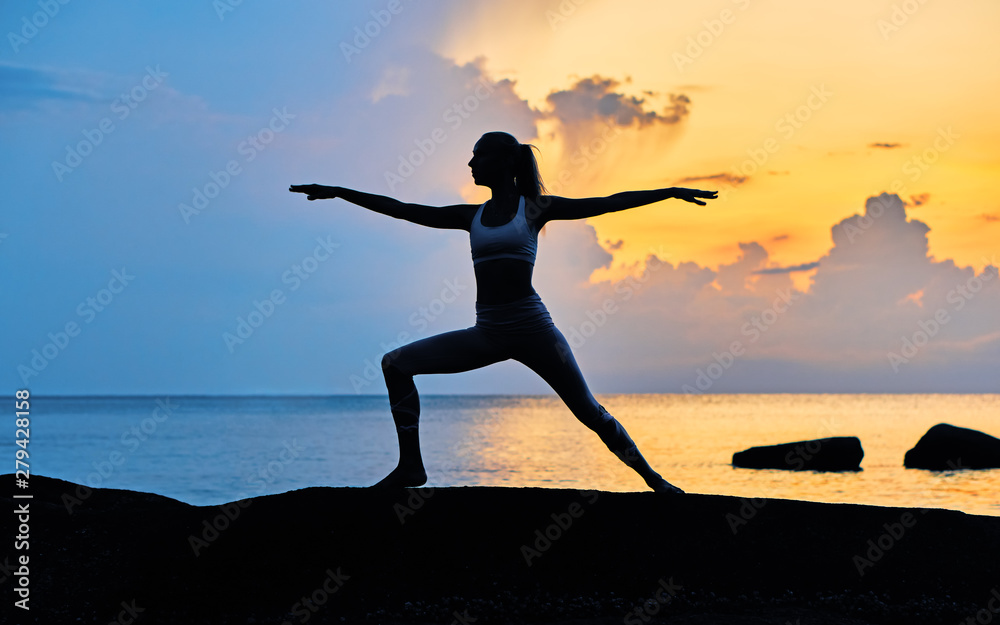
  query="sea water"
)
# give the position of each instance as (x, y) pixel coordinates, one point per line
(212, 450)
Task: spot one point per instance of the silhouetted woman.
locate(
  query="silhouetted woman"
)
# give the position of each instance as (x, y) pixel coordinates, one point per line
(511, 321)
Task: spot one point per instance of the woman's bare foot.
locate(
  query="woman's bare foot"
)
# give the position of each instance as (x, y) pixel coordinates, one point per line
(661, 485)
(403, 477)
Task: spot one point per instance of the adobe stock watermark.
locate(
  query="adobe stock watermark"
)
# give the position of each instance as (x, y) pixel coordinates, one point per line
(224, 7)
(795, 460)
(488, 423)
(754, 329)
(462, 618)
(310, 604)
(898, 17)
(485, 428)
(987, 614)
(30, 27)
(914, 169)
(545, 537)
(576, 336)
(265, 476)
(121, 107)
(249, 148)
(928, 328)
(7, 570)
(714, 28)
(294, 276)
(417, 497)
(786, 126)
(213, 528)
(370, 30)
(415, 500)
(131, 439)
(579, 160)
(564, 11)
(88, 310)
(128, 614)
(878, 547)
(582, 158)
(665, 592)
(454, 116)
(420, 320)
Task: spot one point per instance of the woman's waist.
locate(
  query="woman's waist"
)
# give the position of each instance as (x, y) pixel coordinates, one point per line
(499, 291)
(525, 314)
(531, 300)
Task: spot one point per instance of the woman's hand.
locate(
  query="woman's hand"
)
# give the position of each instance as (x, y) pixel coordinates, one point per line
(315, 191)
(692, 195)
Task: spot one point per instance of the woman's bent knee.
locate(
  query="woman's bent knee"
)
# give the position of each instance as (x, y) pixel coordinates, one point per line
(391, 362)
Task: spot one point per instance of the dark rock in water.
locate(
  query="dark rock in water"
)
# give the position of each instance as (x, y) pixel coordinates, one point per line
(948, 448)
(839, 453)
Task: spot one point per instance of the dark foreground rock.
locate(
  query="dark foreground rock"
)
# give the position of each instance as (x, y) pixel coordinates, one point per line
(839, 453)
(948, 448)
(494, 555)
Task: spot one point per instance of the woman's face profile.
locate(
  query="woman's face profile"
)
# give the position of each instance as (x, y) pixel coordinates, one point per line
(485, 163)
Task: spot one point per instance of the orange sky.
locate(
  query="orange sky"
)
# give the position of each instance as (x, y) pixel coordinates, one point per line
(809, 109)
(925, 81)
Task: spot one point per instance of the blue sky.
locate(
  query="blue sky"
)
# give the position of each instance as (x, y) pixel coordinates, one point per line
(117, 117)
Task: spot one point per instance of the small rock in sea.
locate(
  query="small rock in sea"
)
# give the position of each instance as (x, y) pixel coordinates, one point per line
(946, 447)
(839, 453)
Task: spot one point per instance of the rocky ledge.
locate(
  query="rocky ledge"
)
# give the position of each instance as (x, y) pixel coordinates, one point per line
(492, 555)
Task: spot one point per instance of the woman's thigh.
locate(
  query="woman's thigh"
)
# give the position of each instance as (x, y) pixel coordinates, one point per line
(450, 352)
(549, 355)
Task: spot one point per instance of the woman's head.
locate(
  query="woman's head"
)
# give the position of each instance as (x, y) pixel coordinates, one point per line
(498, 156)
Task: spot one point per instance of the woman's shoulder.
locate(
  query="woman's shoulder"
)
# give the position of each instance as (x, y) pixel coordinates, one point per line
(536, 210)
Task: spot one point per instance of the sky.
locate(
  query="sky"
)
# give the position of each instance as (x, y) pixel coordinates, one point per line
(149, 244)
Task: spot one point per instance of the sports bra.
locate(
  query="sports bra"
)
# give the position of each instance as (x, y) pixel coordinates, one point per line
(515, 239)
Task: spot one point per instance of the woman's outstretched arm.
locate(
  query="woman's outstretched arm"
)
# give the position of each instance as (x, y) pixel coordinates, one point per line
(457, 216)
(555, 207)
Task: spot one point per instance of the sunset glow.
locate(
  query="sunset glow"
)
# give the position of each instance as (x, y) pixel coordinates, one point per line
(853, 145)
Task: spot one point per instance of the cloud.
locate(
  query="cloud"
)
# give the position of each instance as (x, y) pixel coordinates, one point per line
(802, 267)
(727, 178)
(24, 87)
(990, 218)
(733, 277)
(595, 98)
(878, 260)
(395, 81)
(595, 136)
(918, 200)
(64, 94)
(874, 290)
(886, 146)
(425, 113)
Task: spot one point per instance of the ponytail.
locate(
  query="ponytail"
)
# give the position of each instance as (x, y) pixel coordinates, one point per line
(526, 176)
